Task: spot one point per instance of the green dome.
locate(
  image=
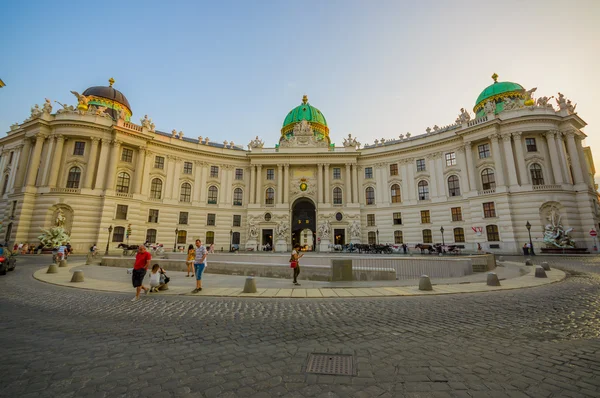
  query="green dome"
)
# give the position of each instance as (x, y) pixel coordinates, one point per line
(305, 111)
(497, 91)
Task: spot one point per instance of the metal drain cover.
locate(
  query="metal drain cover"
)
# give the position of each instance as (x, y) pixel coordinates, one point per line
(330, 364)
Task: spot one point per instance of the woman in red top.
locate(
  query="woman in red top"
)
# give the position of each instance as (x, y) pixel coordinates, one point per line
(142, 261)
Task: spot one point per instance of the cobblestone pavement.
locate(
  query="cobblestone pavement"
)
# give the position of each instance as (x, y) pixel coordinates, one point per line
(61, 342)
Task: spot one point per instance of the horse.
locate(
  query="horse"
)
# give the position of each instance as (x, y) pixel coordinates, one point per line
(430, 249)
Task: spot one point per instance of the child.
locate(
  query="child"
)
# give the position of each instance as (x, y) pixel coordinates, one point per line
(191, 254)
(157, 278)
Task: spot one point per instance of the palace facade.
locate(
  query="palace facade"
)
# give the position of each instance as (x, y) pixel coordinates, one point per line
(479, 180)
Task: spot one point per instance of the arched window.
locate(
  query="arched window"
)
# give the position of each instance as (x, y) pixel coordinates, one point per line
(537, 178)
(337, 196)
(5, 185)
(270, 196)
(453, 186)
(118, 234)
(488, 180)
(151, 236)
(423, 190)
(181, 236)
(396, 194)
(74, 177)
(156, 188)
(210, 237)
(459, 235)
(427, 238)
(398, 239)
(123, 182)
(492, 233)
(186, 193)
(238, 195)
(372, 238)
(370, 195)
(213, 195)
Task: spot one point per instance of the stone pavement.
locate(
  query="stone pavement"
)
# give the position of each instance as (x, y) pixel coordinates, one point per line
(61, 342)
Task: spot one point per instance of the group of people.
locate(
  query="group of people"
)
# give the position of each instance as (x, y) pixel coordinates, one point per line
(26, 248)
(527, 249)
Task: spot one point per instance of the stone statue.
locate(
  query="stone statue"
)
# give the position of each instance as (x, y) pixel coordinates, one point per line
(407, 135)
(529, 98)
(436, 127)
(180, 135)
(489, 107)
(173, 133)
(428, 130)
(355, 230)
(101, 110)
(571, 107)
(122, 114)
(542, 102)
(256, 143)
(510, 103)
(146, 122)
(325, 230)
(401, 136)
(60, 219)
(47, 106)
(65, 108)
(562, 102)
(55, 235)
(36, 111)
(82, 101)
(281, 230)
(554, 233)
(463, 117)
(351, 142)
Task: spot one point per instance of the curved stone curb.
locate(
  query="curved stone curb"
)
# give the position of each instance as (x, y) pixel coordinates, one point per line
(63, 278)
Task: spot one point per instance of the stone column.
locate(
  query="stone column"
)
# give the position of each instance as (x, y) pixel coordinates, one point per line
(404, 190)
(347, 184)
(139, 170)
(554, 157)
(470, 166)
(13, 171)
(510, 161)
(560, 147)
(320, 183)
(259, 192)
(589, 180)
(197, 181)
(520, 158)
(497, 156)
(461, 161)
(433, 188)
(225, 185)
(355, 183)
(286, 192)
(91, 166)
(34, 164)
(56, 161)
(203, 187)
(574, 155)
(146, 175)
(102, 162)
(22, 164)
(112, 165)
(327, 188)
(279, 192)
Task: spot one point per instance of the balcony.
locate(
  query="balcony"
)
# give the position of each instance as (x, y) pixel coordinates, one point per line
(65, 190)
(547, 187)
(486, 192)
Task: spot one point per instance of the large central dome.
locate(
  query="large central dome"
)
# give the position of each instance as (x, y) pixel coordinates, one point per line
(305, 111)
(109, 97)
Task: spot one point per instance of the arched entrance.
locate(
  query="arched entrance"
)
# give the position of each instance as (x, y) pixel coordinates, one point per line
(304, 224)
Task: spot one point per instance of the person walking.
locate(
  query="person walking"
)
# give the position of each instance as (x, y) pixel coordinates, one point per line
(142, 261)
(295, 263)
(199, 264)
(191, 254)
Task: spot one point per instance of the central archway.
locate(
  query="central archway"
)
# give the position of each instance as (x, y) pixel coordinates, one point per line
(304, 224)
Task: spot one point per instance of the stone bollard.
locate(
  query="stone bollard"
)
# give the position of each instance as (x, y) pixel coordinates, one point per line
(492, 279)
(528, 262)
(77, 276)
(52, 269)
(250, 285)
(425, 283)
(88, 259)
(546, 266)
(62, 263)
(539, 272)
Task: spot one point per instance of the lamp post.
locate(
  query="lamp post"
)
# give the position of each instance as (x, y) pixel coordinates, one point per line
(108, 240)
(442, 231)
(530, 242)
(175, 245)
(230, 240)
(377, 235)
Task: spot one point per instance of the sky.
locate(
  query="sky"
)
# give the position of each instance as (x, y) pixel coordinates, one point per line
(232, 70)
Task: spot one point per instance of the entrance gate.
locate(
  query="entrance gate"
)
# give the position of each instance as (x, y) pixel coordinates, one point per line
(304, 223)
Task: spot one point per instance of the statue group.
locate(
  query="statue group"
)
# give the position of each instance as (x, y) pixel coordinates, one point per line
(555, 235)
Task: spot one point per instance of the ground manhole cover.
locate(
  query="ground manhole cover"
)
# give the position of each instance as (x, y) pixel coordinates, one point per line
(330, 364)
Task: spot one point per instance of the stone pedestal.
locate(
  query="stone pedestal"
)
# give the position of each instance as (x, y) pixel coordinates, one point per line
(281, 246)
(324, 245)
(77, 276)
(88, 259)
(62, 263)
(250, 285)
(355, 241)
(52, 269)
(252, 244)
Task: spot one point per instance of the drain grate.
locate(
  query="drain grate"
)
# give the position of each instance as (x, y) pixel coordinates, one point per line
(330, 364)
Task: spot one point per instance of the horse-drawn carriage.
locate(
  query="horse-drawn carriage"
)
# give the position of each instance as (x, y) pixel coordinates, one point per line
(438, 248)
(128, 250)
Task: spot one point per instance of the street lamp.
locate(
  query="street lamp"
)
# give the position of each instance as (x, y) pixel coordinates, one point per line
(442, 231)
(108, 240)
(230, 240)
(377, 235)
(175, 245)
(530, 242)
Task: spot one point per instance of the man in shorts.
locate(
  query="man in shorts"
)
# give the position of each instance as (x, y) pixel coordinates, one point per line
(199, 264)
(142, 261)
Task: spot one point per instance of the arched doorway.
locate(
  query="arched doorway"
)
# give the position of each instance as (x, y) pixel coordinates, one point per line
(304, 224)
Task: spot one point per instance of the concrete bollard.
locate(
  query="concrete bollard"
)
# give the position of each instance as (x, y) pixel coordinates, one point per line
(62, 263)
(77, 276)
(425, 283)
(492, 279)
(250, 285)
(52, 269)
(546, 266)
(539, 272)
(528, 262)
(88, 259)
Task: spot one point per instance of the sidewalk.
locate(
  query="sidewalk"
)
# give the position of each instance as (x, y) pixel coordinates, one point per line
(512, 276)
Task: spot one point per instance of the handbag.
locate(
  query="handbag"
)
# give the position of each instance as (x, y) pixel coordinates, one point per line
(293, 264)
(167, 279)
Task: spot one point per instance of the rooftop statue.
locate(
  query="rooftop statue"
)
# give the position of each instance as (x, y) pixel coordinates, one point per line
(256, 143)
(47, 106)
(555, 235)
(511, 103)
(463, 117)
(489, 107)
(351, 142)
(529, 98)
(562, 102)
(82, 101)
(36, 111)
(542, 102)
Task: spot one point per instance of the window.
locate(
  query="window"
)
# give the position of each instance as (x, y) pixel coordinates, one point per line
(186, 192)
(368, 172)
(181, 236)
(121, 212)
(237, 220)
(337, 173)
(74, 177)
(372, 238)
(239, 174)
(489, 210)
(236, 238)
(238, 196)
(492, 233)
(337, 196)
(5, 185)
(210, 219)
(153, 215)
(396, 193)
(456, 214)
(453, 186)
(398, 239)
(421, 165)
(13, 210)
(159, 162)
(427, 238)
(423, 190)
(339, 216)
(370, 195)
(530, 143)
(183, 217)
(151, 236)
(488, 180)
(394, 169)
(425, 217)
(397, 217)
(270, 196)
(118, 234)
(537, 178)
(484, 151)
(459, 235)
(79, 148)
(210, 237)
(214, 171)
(370, 220)
(156, 188)
(123, 181)
(213, 194)
(187, 167)
(270, 174)
(127, 155)
(450, 159)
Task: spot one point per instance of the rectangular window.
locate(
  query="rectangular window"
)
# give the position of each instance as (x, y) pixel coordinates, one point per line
(151, 236)
(450, 159)
(181, 237)
(484, 151)
(127, 155)
(368, 172)
(456, 214)
(239, 174)
(370, 220)
(237, 220)
(398, 239)
(420, 164)
(394, 169)
(530, 143)
(425, 217)
(270, 174)
(187, 167)
(210, 237)
(79, 148)
(492, 233)
(121, 212)
(337, 173)
(489, 210)
(159, 162)
(210, 219)
(397, 218)
(459, 235)
(372, 238)
(183, 217)
(153, 215)
(118, 234)
(214, 171)
(427, 238)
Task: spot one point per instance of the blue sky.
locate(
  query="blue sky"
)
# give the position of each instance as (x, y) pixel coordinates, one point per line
(232, 70)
